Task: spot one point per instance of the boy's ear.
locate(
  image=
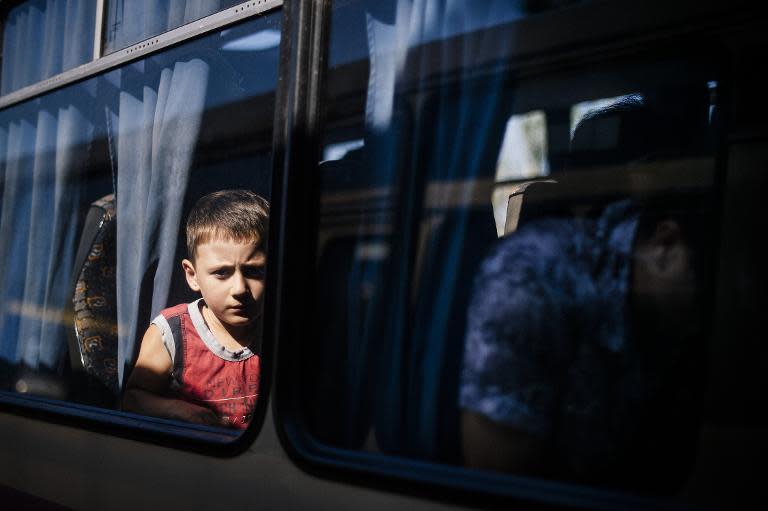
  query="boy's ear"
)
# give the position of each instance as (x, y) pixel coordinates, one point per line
(190, 274)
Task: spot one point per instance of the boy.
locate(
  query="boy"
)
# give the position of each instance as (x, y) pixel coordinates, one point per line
(195, 363)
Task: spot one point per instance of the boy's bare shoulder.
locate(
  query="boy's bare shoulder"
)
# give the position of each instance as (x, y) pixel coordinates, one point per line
(153, 366)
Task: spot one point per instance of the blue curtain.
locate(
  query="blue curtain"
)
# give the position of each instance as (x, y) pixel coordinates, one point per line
(45, 37)
(432, 120)
(46, 187)
(14, 222)
(47, 144)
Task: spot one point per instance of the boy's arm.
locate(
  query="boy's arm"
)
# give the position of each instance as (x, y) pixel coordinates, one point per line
(149, 384)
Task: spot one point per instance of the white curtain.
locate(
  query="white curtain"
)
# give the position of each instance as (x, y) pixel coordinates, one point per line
(157, 132)
(45, 37)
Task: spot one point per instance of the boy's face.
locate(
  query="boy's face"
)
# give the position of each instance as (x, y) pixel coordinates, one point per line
(230, 276)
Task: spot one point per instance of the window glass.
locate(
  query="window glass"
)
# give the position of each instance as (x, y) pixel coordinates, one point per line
(128, 22)
(560, 350)
(42, 38)
(97, 181)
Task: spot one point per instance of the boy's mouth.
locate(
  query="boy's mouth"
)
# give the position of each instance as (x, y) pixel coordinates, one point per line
(243, 307)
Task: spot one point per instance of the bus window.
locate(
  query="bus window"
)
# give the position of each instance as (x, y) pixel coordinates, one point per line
(126, 24)
(571, 350)
(98, 182)
(42, 39)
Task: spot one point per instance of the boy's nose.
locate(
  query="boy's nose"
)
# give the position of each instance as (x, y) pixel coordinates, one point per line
(238, 284)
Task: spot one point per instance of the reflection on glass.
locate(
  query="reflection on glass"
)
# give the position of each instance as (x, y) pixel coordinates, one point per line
(579, 110)
(338, 150)
(584, 332)
(98, 180)
(524, 148)
(262, 40)
(523, 155)
(576, 353)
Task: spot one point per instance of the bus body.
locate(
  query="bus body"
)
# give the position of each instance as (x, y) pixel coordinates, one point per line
(398, 142)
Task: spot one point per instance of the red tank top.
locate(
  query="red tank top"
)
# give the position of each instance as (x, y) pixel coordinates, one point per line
(206, 373)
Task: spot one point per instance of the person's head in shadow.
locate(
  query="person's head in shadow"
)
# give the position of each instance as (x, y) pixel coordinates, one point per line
(581, 353)
(643, 127)
(626, 131)
(672, 261)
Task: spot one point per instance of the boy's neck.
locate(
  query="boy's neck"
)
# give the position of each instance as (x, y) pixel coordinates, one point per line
(232, 338)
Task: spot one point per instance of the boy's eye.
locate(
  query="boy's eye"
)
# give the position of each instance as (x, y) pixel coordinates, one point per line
(221, 272)
(254, 272)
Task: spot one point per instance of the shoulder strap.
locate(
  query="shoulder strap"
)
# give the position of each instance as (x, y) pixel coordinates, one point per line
(174, 322)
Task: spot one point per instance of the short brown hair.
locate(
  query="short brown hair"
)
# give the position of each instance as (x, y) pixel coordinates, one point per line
(239, 215)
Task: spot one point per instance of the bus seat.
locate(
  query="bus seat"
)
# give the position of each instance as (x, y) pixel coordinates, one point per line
(93, 340)
(523, 191)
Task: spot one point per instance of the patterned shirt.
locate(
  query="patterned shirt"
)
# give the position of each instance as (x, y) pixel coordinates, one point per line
(547, 349)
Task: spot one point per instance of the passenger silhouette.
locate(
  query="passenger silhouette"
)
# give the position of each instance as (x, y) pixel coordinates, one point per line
(581, 354)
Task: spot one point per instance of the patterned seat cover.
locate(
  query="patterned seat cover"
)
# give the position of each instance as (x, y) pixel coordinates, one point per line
(94, 298)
